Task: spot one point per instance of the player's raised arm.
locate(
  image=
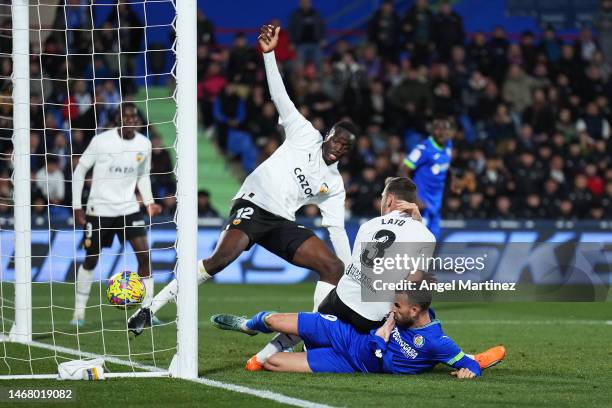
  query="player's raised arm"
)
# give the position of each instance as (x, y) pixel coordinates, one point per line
(86, 162)
(268, 39)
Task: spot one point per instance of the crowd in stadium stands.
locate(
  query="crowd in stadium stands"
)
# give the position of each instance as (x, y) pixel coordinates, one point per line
(532, 116)
(68, 106)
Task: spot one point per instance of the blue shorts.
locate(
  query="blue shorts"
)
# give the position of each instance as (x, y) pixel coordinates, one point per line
(327, 341)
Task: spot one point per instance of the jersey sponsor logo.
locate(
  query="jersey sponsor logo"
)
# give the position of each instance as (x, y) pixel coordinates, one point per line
(121, 169)
(418, 341)
(138, 223)
(439, 168)
(407, 351)
(301, 178)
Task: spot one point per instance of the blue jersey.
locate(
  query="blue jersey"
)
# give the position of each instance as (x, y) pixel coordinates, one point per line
(335, 346)
(430, 163)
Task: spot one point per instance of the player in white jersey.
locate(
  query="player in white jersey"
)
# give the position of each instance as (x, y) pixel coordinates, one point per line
(398, 224)
(409, 235)
(121, 161)
(303, 170)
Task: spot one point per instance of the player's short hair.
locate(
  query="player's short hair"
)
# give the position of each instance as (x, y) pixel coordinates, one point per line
(349, 127)
(403, 188)
(128, 105)
(419, 297)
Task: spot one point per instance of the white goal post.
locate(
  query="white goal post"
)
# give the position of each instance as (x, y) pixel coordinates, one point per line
(184, 363)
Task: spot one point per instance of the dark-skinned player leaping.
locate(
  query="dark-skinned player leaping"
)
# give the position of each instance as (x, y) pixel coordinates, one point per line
(303, 170)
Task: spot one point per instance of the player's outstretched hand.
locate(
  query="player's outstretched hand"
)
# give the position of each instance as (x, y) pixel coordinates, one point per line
(154, 209)
(79, 217)
(268, 37)
(409, 208)
(463, 373)
(385, 330)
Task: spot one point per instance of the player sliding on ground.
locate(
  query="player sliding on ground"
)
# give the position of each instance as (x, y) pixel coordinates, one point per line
(121, 161)
(393, 227)
(303, 170)
(411, 341)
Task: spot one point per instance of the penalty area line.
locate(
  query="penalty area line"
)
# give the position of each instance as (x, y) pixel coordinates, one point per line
(264, 394)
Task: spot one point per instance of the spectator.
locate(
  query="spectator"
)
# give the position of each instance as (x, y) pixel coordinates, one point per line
(206, 30)
(603, 22)
(593, 123)
(586, 45)
(416, 26)
(229, 111)
(242, 62)
(162, 170)
(479, 53)
(131, 33)
(447, 30)
(529, 51)
(517, 89)
(50, 181)
(384, 30)
(550, 45)
(205, 209)
(307, 30)
(412, 100)
(498, 51)
(209, 89)
(539, 114)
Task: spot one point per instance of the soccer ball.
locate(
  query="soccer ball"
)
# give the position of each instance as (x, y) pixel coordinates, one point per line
(125, 289)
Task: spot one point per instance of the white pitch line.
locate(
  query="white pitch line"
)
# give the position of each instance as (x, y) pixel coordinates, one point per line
(110, 359)
(265, 394)
(296, 402)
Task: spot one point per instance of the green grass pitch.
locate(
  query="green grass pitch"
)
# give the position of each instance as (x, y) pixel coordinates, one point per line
(559, 355)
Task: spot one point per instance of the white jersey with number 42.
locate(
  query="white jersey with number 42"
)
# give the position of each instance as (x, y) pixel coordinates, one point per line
(296, 174)
(390, 231)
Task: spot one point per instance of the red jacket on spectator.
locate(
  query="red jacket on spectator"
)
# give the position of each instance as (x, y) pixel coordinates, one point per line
(595, 185)
(70, 109)
(211, 86)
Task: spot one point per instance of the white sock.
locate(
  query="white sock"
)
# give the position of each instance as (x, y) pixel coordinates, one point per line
(83, 287)
(149, 284)
(278, 343)
(168, 293)
(203, 276)
(321, 291)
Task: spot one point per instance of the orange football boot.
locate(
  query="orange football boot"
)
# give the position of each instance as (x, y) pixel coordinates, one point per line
(490, 357)
(254, 365)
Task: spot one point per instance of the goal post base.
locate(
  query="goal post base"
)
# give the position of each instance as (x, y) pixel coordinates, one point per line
(15, 336)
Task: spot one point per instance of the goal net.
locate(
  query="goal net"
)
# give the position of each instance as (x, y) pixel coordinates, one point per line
(67, 67)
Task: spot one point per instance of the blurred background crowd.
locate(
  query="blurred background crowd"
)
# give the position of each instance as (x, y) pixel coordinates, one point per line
(531, 114)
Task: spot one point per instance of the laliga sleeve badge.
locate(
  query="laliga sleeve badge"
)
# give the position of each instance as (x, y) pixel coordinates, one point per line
(418, 341)
(237, 221)
(139, 157)
(87, 243)
(324, 188)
